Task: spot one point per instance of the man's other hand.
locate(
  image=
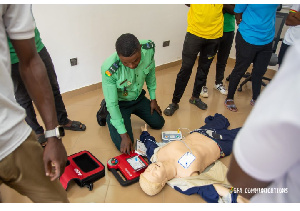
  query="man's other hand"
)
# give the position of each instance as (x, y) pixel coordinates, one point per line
(154, 106)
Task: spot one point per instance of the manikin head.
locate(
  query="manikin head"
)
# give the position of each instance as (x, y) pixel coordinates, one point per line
(153, 179)
(128, 49)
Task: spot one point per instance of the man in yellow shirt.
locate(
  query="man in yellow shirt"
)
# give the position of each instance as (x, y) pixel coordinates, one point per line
(205, 28)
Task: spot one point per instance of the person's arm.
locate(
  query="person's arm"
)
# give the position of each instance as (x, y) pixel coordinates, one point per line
(228, 8)
(151, 86)
(238, 11)
(149, 142)
(109, 88)
(35, 78)
(254, 153)
(240, 179)
(293, 18)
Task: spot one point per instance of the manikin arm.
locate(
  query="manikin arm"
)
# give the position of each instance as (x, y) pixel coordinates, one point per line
(210, 193)
(149, 142)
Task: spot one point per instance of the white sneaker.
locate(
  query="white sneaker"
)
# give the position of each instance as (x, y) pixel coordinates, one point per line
(221, 89)
(204, 91)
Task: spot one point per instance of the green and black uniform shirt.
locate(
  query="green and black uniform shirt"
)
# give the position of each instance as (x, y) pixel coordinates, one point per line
(120, 83)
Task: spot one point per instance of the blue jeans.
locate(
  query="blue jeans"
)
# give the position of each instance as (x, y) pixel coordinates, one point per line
(23, 98)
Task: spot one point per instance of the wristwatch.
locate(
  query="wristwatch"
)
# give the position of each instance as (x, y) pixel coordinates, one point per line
(58, 132)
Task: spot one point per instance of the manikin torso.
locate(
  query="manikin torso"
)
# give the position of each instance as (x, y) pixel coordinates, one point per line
(205, 150)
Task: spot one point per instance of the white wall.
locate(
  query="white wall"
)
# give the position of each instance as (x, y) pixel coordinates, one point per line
(89, 32)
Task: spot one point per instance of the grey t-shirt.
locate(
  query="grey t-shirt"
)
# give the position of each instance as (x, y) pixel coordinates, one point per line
(17, 22)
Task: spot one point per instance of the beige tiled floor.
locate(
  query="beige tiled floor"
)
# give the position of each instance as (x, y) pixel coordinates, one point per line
(96, 139)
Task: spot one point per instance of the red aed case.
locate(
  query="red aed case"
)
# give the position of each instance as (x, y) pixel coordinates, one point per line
(83, 168)
(130, 166)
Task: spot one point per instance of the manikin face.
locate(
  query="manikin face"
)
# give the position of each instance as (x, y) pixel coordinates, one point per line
(156, 172)
(132, 61)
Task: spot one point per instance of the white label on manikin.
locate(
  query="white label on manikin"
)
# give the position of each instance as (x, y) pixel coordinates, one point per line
(186, 160)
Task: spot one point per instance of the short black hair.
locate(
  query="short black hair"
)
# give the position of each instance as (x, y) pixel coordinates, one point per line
(127, 44)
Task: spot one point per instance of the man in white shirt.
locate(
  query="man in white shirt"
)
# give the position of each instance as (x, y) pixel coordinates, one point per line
(265, 164)
(293, 32)
(24, 166)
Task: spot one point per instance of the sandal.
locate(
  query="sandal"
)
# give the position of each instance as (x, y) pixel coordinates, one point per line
(75, 126)
(230, 107)
(252, 102)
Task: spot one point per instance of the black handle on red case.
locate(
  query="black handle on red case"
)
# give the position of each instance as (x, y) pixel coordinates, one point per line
(121, 180)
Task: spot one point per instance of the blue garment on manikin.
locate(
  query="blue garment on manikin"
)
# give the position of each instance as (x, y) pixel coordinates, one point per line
(207, 192)
(150, 144)
(215, 128)
(216, 124)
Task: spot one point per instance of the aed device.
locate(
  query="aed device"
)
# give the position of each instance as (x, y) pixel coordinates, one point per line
(168, 136)
(84, 169)
(129, 166)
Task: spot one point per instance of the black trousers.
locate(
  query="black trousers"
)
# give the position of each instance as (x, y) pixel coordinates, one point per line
(191, 47)
(246, 54)
(222, 55)
(141, 108)
(282, 52)
(23, 98)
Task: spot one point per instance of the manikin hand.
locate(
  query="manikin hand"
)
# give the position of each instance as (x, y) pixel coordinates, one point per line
(126, 144)
(144, 128)
(154, 106)
(55, 158)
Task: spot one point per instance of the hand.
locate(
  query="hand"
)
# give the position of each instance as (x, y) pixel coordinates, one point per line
(126, 144)
(154, 106)
(144, 128)
(238, 18)
(297, 15)
(55, 158)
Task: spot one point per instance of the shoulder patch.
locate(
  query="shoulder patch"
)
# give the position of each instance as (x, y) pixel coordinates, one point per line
(112, 69)
(148, 45)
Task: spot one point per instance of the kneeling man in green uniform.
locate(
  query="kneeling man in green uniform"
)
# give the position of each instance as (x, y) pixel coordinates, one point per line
(123, 76)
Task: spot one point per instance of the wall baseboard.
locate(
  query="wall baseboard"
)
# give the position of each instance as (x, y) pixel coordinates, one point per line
(96, 86)
(168, 65)
(82, 90)
(93, 87)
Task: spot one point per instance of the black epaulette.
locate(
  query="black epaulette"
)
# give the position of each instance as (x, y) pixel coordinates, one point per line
(148, 45)
(113, 68)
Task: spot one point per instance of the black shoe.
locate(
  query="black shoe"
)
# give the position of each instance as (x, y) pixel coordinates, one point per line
(170, 110)
(198, 102)
(102, 114)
